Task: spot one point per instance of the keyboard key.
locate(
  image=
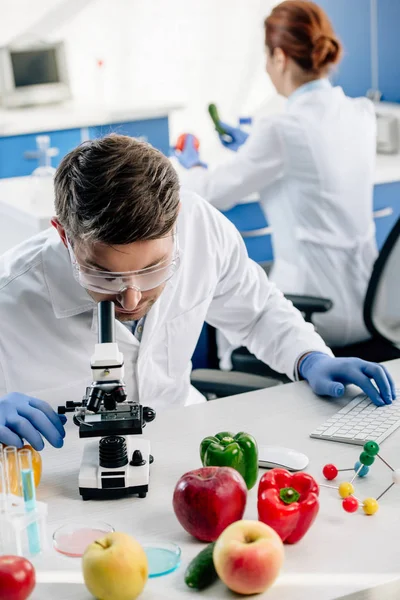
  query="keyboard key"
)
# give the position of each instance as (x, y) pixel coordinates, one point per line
(331, 431)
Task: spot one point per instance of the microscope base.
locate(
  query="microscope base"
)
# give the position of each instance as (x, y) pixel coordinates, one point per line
(92, 494)
(100, 483)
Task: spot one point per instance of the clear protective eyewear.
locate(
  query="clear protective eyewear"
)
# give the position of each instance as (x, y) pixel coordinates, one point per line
(109, 282)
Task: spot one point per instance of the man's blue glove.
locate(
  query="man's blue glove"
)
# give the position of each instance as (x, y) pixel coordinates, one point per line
(235, 137)
(26, 418)
(189, 156)
(328, 376)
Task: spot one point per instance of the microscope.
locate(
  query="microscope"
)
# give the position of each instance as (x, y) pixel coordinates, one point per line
(118, 464)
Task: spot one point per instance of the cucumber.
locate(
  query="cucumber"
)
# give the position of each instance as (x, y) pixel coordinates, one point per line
(212, 109)
(201, 571)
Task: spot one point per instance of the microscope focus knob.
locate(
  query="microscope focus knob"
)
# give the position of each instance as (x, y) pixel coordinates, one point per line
(137, 459)
(149, 414)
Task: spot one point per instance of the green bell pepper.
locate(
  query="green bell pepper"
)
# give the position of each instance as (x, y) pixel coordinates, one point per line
(228, 450)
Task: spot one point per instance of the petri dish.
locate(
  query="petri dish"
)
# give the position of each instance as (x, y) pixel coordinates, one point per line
(73, 539)
(163, 557)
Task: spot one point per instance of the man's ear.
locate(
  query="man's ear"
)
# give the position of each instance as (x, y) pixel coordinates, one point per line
(60, 229)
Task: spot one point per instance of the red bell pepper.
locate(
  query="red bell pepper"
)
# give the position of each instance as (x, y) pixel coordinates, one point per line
(288, 503)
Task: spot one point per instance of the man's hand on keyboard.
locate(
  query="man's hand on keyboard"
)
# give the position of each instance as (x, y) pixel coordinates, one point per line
(328, 376)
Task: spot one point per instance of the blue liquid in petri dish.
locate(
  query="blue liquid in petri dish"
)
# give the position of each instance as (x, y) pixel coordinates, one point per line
(162, 558)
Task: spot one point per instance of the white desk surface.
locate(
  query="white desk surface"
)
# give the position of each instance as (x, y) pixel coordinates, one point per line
(387, 168)
(16, 200)
(71, 116)
(342, 553)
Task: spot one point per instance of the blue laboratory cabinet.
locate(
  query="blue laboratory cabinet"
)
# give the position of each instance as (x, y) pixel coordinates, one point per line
(13, 147)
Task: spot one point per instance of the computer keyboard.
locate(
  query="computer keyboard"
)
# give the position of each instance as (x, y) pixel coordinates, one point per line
(361, 421)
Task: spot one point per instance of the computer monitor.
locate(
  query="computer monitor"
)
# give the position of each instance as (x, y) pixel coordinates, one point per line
(33, 75)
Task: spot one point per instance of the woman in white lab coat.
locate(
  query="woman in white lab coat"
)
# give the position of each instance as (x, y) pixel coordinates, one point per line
(313, 168)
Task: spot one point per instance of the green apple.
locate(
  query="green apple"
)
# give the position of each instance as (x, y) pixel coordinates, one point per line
(115, 567)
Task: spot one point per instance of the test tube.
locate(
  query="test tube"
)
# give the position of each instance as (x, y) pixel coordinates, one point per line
(13, 478)
(3, 489)
(29, 494)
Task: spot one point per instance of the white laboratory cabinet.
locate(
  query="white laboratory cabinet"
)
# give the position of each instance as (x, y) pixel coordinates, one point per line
(20, 217)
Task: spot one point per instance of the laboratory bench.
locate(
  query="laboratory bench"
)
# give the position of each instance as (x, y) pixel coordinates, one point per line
(341, 554)
(69, 125)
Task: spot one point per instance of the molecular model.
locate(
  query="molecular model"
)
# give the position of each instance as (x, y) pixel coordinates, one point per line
(346, 489)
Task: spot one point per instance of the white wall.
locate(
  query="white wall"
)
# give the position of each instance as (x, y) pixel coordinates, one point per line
(188, 52)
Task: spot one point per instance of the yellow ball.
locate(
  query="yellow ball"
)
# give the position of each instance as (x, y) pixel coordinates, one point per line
(346, 489)
(370, 506)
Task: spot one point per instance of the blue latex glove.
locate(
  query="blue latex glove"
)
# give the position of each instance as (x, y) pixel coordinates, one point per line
(328, 376)
(189, 157)
(26, 418)
(235, 138)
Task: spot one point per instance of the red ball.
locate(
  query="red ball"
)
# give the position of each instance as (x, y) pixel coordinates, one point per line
(350, 504)
(330, 472)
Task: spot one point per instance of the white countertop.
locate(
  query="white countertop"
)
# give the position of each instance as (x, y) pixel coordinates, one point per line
(341, 553)
(69, 116)
(387, 168)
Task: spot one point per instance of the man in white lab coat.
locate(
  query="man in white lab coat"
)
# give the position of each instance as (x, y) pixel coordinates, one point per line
(124, 231)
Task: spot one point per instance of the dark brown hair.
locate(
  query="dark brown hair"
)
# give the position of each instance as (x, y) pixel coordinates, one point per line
(303, 31)
(116, 190)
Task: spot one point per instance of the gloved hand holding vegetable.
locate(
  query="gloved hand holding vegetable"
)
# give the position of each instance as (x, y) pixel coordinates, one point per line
(187, 151)
(328, 376)
(238, 451)
(233, 137)
(26, 418)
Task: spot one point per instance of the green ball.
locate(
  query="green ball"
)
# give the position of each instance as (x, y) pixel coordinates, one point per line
(371, 448)
(366, 459)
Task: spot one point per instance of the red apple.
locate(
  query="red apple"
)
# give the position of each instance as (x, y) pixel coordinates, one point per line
(17, 578)
(248, 556)
(207, 500)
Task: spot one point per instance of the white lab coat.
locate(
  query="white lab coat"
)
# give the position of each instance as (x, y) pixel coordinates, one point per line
(48, 323)
(313, 168)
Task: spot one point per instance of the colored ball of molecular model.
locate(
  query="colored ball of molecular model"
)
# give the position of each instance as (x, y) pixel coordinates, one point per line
(371, 448)
(350, 504)
(366, 459)
(361, 468)
(330, 472)
(361, 472)
(346, 489)
(370, 506)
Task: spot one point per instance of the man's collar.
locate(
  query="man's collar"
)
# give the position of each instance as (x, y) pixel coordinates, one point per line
(67, 297)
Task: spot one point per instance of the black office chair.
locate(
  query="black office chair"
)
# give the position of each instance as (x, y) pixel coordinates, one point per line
(381, 316)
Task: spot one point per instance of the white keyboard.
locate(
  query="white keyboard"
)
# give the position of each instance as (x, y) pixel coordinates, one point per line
(361, 421)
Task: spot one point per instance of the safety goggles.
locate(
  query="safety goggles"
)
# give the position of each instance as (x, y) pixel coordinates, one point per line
(109, 282)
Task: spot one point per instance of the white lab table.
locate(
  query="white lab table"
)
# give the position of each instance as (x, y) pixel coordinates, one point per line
(341, 554)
